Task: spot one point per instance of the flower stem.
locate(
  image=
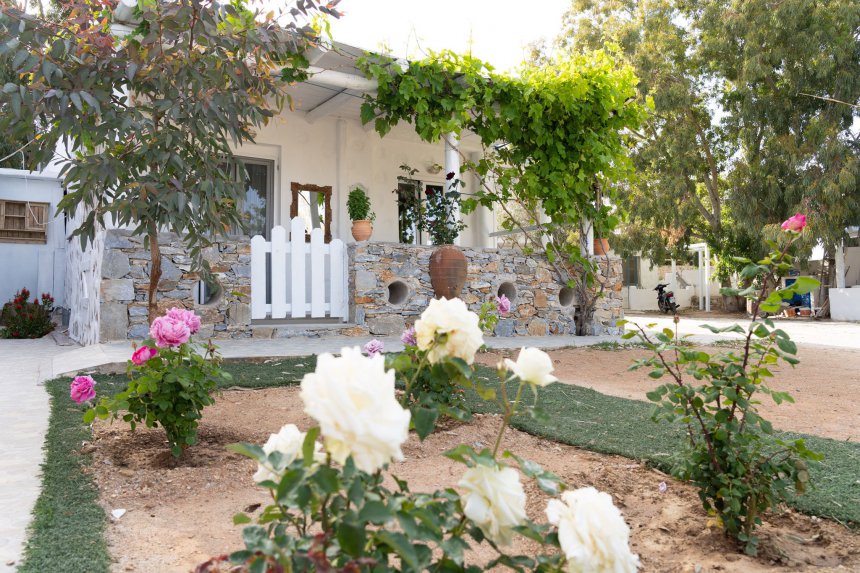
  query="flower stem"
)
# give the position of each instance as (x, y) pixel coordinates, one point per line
(510, 411)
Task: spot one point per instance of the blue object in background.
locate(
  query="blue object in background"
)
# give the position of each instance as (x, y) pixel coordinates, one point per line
(804, 300)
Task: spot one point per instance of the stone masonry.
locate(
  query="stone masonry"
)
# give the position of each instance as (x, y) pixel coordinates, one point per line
(391, 286)
(125, 282)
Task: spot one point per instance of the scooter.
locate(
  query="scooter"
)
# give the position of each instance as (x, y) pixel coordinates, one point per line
(666, 299)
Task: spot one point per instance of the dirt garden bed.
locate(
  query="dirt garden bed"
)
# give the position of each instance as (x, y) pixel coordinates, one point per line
(180, 516)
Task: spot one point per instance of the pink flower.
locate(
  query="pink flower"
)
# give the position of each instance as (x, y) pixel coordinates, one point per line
(374, 347)
(408, 337)
(169, 332)
(82, 389)
(186, 316)
(143, 354)
(503, 304)
(795, 223)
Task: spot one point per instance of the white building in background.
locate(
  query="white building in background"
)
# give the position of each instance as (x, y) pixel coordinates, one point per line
(32, 239)
(845, 294)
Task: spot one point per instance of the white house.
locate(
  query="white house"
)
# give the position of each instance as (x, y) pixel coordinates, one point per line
(301, 167)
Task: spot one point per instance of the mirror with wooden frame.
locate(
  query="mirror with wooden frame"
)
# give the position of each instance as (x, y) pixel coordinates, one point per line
(313, 204)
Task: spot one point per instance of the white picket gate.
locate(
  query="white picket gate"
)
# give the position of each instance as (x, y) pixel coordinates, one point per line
(300, 279)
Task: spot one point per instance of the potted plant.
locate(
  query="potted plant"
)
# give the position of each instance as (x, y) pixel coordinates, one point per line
(358, 207)
(447, 263)
(603, 229)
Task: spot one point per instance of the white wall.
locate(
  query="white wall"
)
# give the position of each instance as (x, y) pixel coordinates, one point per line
(40, 268)
(340, 153)
(852, 266)
(645, 298)
(845, 303)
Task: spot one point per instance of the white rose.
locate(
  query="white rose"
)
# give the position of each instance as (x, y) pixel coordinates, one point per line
(592, 532)
(533, 366)
(451, 317)
(352, 398)
(288, 441)
(494, 500)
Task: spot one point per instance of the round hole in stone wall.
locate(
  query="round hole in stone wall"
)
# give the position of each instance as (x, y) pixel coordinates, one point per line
(207, 291)
(508, 289)
(398, 292)
(566, 296)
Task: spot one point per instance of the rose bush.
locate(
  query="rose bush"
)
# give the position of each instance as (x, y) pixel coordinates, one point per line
(169, 385)
(740, 468)
(337, 514)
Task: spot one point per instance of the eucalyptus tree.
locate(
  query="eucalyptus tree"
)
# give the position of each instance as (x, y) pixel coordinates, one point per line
(743, 132)
(150, 117)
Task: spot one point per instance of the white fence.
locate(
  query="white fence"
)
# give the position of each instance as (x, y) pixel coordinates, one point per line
(296, 279)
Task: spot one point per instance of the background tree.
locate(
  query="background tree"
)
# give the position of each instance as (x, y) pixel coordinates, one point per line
(733, 144)
(150, 119)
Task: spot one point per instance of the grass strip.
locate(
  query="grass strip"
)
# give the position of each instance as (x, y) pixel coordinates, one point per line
(607, 424)
(67, 531)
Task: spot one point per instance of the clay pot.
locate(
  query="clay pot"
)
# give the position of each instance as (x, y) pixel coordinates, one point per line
(601, 247)
(447, 271)
(362, 229)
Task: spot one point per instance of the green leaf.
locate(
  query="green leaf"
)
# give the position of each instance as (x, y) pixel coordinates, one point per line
(351, 536)
(401, 546)
(424, 420)
(252, 451)
(89, 416)
(786, 345)
(309, 446)
(327, 479)
(241, 519)
(375, 512)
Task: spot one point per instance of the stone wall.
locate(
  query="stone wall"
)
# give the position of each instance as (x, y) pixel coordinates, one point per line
(391, 286)
(125, 282)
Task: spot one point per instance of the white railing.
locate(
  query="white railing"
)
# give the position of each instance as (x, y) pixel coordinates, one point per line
(299, 279)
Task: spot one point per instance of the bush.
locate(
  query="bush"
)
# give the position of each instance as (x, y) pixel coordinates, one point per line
(740, 468)
(171, 380)
(25, 319)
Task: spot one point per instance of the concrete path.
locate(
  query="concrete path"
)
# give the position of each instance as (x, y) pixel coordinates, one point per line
(24, 411)
(802, 331)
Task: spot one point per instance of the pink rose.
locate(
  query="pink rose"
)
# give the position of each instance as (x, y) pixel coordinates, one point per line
(795, 223)
(503, 304)
(169, 332)
(408, 337)
(143, 354)
(374, 347)
(186, 316)
(82, 389)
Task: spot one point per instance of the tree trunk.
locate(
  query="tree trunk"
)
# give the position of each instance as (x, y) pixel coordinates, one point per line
(154, 272)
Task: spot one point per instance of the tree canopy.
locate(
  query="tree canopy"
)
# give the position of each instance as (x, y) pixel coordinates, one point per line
(744, 132)
(149, 118)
